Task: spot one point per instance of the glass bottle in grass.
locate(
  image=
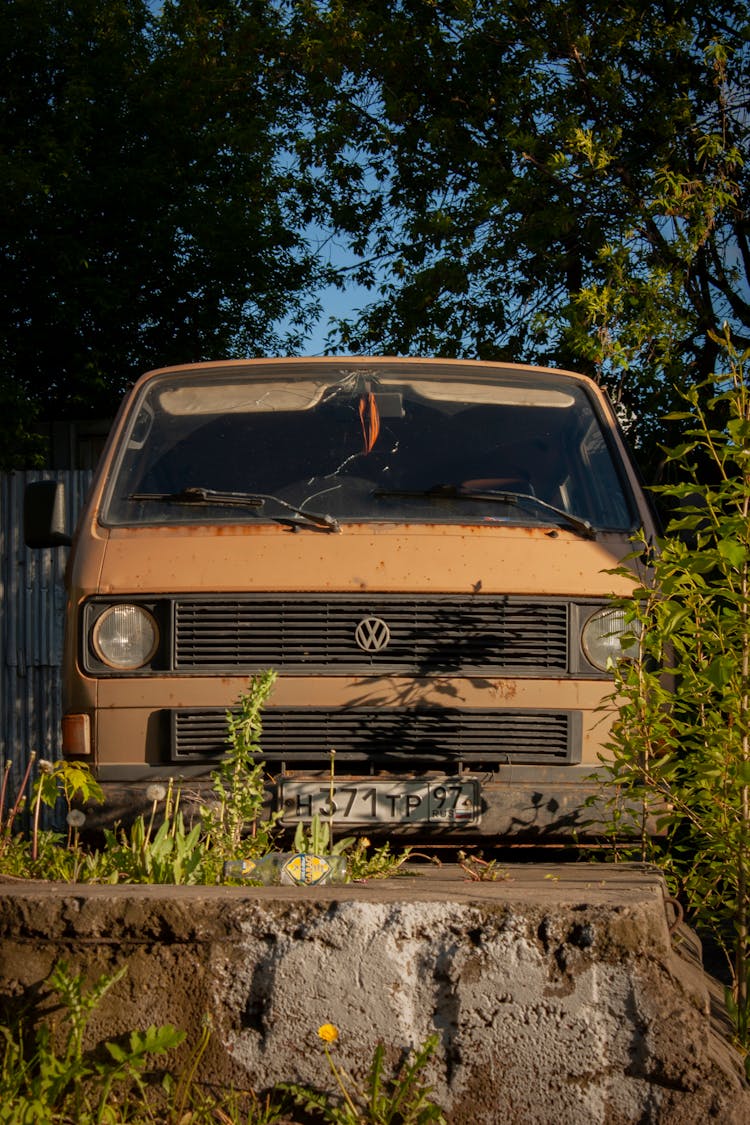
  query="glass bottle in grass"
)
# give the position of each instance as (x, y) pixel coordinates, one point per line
(302, 869)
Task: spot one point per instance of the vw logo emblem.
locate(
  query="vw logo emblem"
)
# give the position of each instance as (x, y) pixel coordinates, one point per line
(372, 634)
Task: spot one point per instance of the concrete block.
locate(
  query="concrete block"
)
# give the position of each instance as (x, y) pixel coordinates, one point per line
(558, 993)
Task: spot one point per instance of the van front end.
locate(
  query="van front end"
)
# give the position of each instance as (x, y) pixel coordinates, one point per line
(472, 711)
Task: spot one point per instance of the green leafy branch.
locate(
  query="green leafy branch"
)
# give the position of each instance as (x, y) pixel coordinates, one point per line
(681, 738)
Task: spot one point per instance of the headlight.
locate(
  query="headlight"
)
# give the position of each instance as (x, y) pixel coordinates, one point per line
(125, 636)
(602, 637)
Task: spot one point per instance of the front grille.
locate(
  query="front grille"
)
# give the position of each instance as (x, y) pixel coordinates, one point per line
(427, 634)
(399, 741)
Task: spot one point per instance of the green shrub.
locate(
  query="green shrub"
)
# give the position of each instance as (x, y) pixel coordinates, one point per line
(681, 740)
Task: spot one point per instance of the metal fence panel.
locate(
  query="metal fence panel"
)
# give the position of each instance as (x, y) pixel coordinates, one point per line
(32, 603)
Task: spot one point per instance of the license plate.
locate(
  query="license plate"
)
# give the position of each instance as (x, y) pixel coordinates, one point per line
(442, 800)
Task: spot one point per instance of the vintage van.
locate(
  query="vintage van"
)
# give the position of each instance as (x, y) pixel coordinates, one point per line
(421, 548)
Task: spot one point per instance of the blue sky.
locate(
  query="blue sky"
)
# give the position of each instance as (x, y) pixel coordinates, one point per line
(336, 303)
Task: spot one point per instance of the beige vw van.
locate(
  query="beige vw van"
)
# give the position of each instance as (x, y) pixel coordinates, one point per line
(420, 548)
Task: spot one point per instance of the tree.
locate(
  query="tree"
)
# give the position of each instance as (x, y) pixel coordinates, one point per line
(147, 217)
(515, 181)
(538, 182)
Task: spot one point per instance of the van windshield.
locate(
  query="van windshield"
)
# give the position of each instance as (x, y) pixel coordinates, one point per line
(345, 442)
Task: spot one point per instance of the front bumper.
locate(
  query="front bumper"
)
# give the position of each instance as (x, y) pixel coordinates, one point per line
(545, 805)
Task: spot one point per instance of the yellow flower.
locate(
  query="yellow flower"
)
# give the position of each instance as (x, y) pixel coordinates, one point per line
(328, 1032)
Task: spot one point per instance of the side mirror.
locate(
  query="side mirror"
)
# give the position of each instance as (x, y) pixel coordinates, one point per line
(44, 514)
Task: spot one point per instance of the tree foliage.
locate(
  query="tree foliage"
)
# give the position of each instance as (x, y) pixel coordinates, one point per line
(147, 217)
(517, 181)
(538, 182)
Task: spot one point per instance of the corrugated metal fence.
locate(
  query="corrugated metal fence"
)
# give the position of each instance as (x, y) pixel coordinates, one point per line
(32, 602)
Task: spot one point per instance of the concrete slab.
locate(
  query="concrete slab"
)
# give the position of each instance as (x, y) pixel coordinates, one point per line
(558, 991)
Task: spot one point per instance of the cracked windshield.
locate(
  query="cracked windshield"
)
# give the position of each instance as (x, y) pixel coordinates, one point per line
(318, 447)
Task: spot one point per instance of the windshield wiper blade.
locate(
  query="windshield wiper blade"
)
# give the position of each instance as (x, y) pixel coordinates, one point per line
(202, 496)
(518, 499)
(214, 497)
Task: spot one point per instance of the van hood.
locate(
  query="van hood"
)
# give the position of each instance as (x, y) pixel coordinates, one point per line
(416, 558)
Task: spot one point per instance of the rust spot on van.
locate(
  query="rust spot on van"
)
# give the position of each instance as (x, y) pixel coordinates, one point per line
(506, 689)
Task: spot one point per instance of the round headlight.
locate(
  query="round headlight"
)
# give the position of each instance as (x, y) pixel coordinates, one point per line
(602, 638)
(125, 636)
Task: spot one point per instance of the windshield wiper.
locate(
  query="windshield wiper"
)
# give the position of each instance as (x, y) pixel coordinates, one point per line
(578, 524)
(215, 498)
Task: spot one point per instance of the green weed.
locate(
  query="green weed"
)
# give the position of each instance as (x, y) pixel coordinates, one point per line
(56, 1079)
(235, 825)
(49, 1076)
(402, 1100)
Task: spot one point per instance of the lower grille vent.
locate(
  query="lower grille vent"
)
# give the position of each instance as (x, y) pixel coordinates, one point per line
(396, 740)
